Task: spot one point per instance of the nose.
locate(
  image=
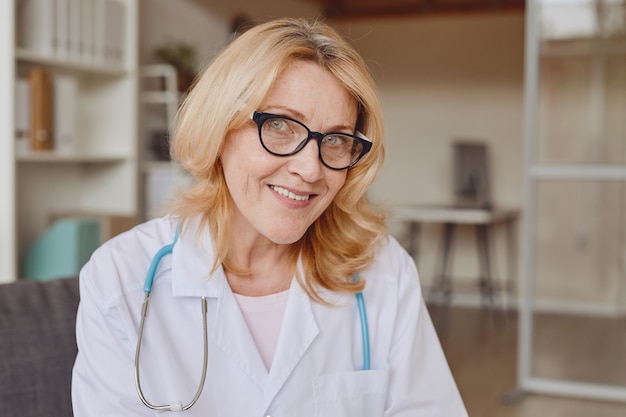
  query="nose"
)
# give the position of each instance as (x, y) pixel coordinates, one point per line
(306, 163)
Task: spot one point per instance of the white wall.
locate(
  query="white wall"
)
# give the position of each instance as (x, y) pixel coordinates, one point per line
(165, 21)
(443, 78)
(206, 23)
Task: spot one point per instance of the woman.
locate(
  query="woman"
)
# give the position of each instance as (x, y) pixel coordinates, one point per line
(276, 234)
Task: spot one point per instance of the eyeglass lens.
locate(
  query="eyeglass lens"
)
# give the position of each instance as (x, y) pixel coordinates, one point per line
(283, 136)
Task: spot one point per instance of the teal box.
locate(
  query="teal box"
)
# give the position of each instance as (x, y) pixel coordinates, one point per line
(62, 250)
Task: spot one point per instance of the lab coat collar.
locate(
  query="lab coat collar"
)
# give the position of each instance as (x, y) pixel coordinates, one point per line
(192, 260)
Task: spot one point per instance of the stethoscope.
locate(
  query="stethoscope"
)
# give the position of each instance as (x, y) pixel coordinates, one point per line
(147, 288)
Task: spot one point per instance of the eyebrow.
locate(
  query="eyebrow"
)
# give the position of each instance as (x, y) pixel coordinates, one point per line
(287, 112)
(294, 114)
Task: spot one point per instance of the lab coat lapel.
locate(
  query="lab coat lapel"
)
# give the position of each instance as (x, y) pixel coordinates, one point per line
(191, 265)
(298, 330)
(192, 262)
(232, 336)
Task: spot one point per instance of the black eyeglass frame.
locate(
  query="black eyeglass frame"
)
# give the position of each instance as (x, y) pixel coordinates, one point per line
(260, 118)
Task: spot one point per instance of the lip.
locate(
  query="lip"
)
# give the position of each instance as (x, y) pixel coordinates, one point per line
(292, 196)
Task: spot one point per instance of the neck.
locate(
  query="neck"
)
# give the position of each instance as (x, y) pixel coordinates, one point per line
(256, 286)
(259, 269)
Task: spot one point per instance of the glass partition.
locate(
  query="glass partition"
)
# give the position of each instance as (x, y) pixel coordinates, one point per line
(573, 304)
(579, 326)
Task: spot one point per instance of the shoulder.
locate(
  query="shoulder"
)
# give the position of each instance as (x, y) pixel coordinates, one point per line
(391, 263)
(392, 278)
(120, 264)
(392, 295)
(141, 239)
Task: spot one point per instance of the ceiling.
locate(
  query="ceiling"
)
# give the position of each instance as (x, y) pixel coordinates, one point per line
(397, 8)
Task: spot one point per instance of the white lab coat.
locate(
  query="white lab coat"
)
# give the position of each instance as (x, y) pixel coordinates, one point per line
(316, 367)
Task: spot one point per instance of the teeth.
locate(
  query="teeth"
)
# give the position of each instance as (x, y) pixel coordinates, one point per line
(289, 194)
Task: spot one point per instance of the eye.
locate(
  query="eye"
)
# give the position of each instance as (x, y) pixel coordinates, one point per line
(335, 140)
(277, 124)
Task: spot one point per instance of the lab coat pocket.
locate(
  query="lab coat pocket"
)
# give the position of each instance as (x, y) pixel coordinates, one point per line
(349, 394)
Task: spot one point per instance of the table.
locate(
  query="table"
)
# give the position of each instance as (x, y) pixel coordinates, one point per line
(484, 221)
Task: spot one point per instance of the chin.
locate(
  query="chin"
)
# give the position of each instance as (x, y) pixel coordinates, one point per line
(286, 240)
(285, 236)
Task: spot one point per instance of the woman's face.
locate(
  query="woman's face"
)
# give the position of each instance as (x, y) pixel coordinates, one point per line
(279, 197)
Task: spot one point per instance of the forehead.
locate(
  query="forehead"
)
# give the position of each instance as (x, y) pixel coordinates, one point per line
(306, 90)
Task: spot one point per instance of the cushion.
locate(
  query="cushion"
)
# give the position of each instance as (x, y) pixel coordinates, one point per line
(37, 347)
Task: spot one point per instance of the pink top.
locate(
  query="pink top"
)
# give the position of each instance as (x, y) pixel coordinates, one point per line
(264, 315)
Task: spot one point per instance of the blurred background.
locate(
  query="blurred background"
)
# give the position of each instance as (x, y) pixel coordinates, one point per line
(505, 176)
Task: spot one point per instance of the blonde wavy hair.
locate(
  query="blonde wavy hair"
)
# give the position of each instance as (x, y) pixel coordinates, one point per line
(342, 241)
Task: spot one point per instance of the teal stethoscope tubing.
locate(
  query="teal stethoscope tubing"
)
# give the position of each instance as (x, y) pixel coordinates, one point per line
(365, 334)
(150, 275)
(177, 405)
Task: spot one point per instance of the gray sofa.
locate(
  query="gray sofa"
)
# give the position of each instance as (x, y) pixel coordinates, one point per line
(37, 347)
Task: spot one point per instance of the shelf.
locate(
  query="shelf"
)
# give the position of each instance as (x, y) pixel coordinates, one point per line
(583, 47)
(52, 157)
(159, 97)
(23, 55)
(159, 166)
(578, 172)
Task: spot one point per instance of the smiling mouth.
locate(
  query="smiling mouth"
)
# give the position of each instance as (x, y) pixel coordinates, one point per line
(289, 194)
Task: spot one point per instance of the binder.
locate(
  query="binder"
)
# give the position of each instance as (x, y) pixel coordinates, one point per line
(22, 115)
(62, 250)
(99, 32)
(65, 90)
(114, 19)
(108, 31)
(62, 27)
(36, 26)
(87, 31)
(74, 21)
(40, 109)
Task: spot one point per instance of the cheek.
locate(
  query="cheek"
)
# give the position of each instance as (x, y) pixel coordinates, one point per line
(245, 163)
(237, 152)
(233, 159)
(336, 181)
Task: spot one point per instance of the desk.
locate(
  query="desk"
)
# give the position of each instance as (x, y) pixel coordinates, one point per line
(483, 220)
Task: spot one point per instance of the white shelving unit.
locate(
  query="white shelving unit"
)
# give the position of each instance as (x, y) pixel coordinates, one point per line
(101, 174)
(160, 100)
(168, 95)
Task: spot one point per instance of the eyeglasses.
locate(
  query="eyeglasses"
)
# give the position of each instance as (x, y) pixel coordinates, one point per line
(284, 136)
